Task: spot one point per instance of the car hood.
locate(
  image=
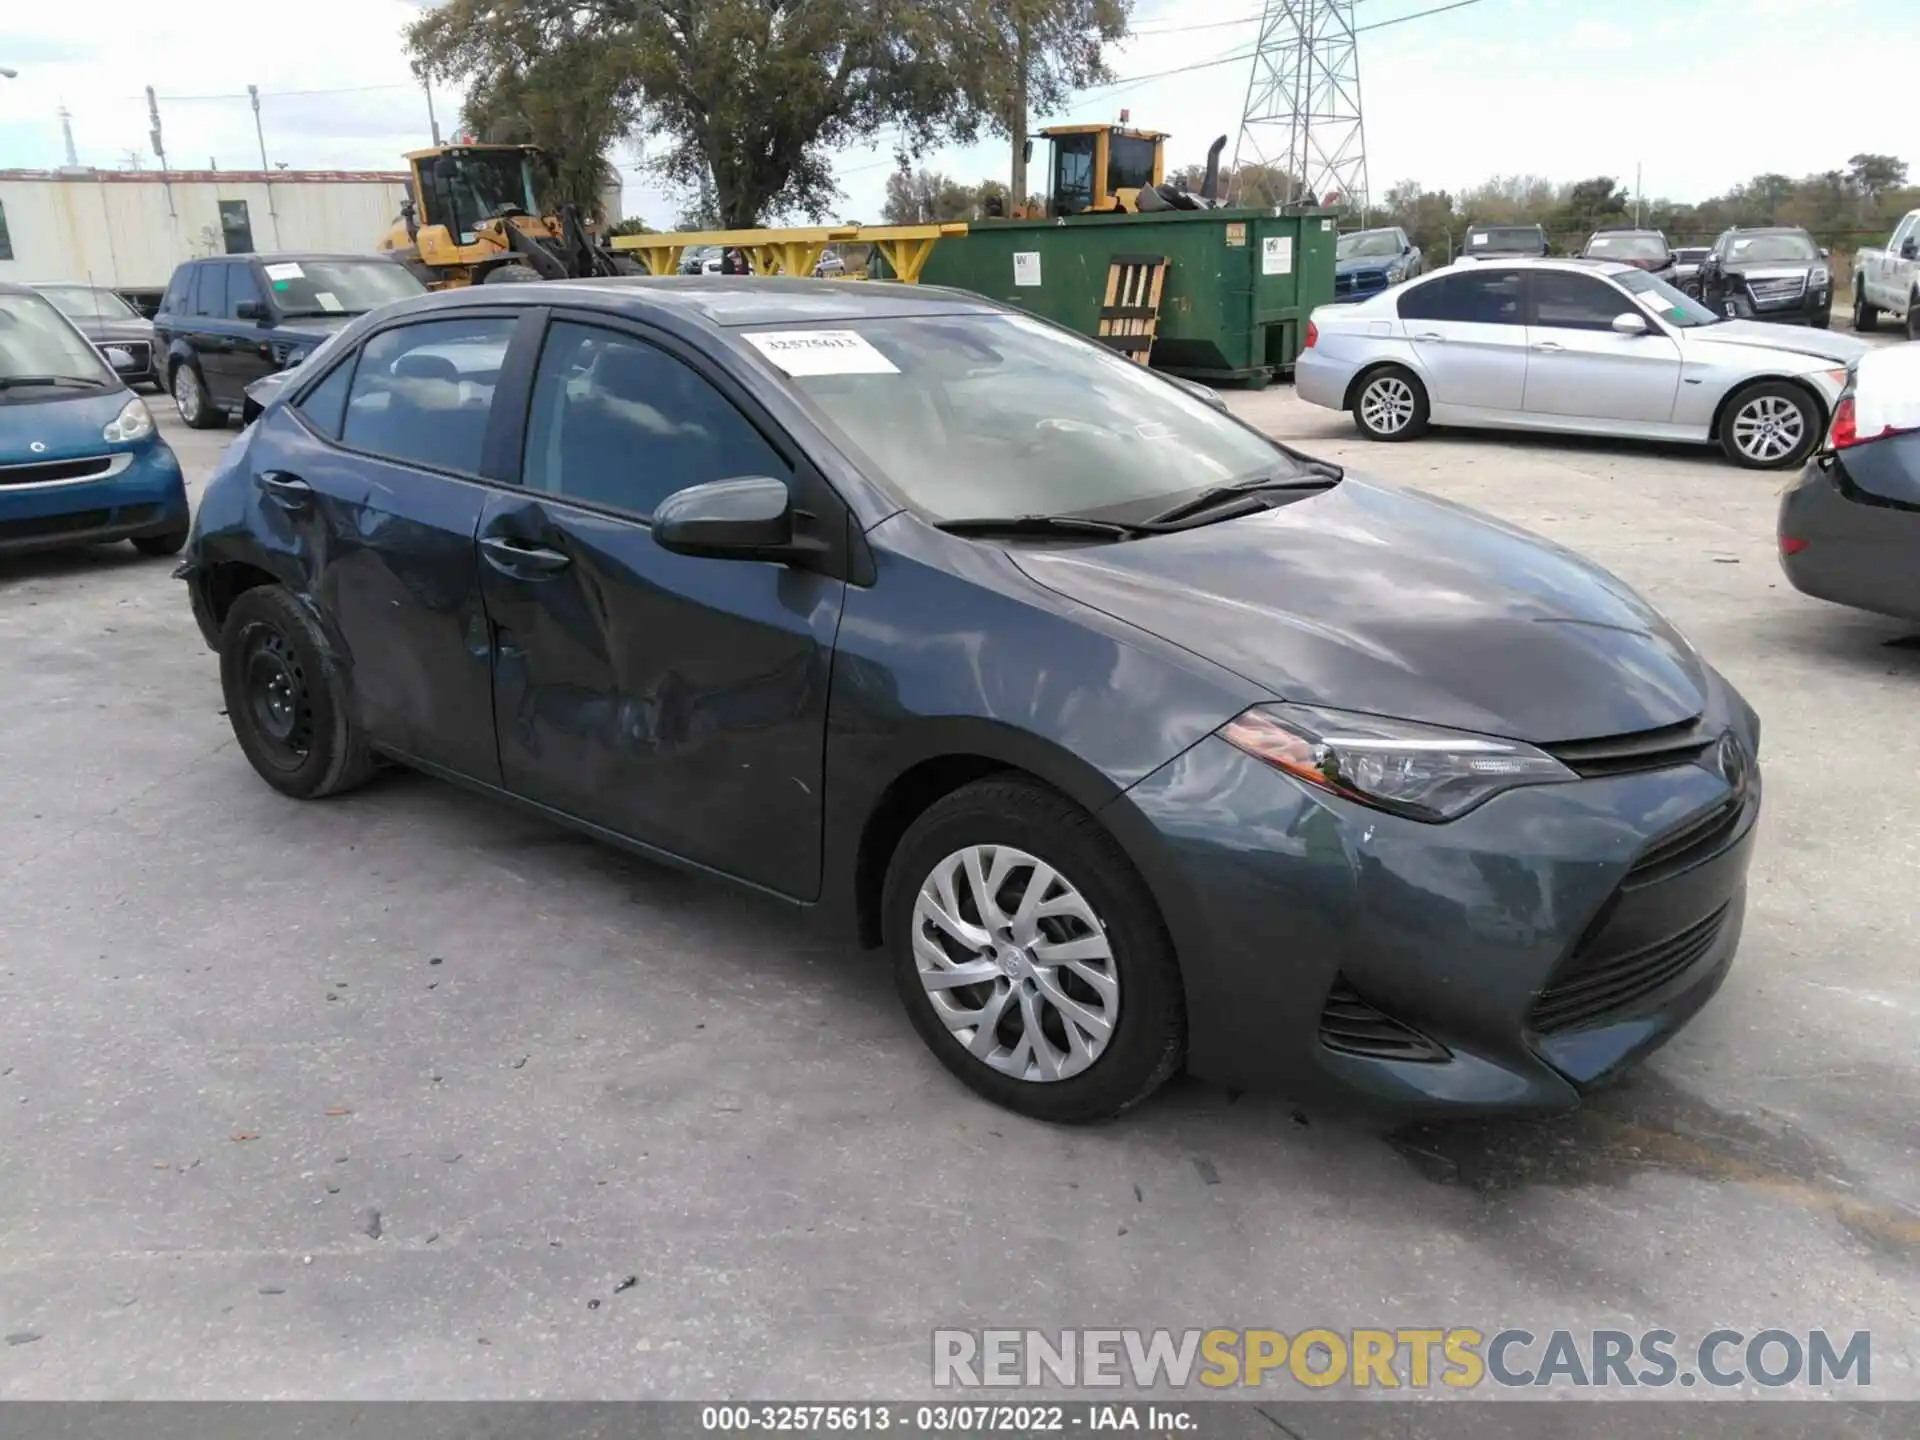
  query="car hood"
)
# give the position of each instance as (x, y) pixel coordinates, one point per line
(312, 327)
(65, 423)
(1396, 603)
(1824, 344)
(1774, 270)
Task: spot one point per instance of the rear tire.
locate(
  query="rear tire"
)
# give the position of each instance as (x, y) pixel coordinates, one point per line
(1770, 425)
(1865, 317)
(1108, 1015)
(1390, 404)
(287, 697)
(191, 399)
(1913, 316)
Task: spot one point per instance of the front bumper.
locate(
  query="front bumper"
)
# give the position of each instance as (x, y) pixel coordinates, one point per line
(1808, 308)
(1855, 552)
(143, 495)
(1505, 962)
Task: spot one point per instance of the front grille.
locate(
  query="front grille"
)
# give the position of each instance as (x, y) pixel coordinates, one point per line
(1351, 1026)
(1699, 837)
(141, 352)
(1593, 987)
(47, 471)
(77, 523)
(1789, 287)
(1359, 284)
(1634, 754)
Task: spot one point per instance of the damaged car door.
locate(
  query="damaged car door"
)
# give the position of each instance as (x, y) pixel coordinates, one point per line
(677, 700)
(374, 473)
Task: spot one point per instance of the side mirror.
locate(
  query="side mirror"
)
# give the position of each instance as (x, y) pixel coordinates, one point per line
(750, 518)
(1910, 248)
(1629, 324)
(251, 310)
(1825, 254)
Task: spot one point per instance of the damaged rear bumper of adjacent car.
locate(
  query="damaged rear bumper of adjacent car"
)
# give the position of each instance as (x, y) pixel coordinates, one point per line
(1506, 961)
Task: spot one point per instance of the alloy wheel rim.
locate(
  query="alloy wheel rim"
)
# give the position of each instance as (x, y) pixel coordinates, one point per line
(1769, 427)
(1016, 963)
(186, 395)
(1387, 405)
(275, 685)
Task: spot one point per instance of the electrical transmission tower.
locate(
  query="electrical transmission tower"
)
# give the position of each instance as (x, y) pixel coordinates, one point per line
(1302, 115)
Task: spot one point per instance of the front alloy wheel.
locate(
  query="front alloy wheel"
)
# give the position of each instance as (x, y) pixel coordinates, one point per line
(1015, 963)
(1770, 427)
(190, 398)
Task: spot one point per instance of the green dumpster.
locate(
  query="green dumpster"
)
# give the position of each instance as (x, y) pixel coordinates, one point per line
(1238, 289)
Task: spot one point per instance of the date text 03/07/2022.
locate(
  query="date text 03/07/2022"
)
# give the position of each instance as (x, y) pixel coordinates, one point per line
(942, 1419)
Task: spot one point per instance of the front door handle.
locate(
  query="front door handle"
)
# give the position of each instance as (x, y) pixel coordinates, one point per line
(518, 557)
(289, 492)
(1432, 337)
(1551, 347)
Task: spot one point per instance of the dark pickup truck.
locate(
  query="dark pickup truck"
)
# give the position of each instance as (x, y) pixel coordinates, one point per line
(228, 320)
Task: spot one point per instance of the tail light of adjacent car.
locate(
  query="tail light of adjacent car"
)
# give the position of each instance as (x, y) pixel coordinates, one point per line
(1313, 335)
(1791, 544)
(1842, 434)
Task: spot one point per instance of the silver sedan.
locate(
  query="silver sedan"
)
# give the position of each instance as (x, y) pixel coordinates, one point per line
(1579, 346)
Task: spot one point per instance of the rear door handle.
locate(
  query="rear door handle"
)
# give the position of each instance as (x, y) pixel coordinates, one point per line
(1552, 347)
(289, 492)
(517, 557)
(1431, 337)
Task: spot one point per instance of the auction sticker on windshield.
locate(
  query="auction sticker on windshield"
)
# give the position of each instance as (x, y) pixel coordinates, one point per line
(285, 270)
(822, 352)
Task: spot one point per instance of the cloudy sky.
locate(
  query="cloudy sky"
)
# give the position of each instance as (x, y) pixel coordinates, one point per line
(1701, 93)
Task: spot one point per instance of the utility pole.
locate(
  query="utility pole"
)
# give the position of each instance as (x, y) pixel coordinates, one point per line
(266, 170)
(1302, 113)
(1017, 121)
(1636, 194)
(66, 134)
(426, 86)
(160, 149)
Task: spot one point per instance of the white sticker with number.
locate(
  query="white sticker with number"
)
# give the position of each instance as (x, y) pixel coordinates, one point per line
(327, 300)
(1276, 255)
(285, 270)
(1026, 267)
(821, 352)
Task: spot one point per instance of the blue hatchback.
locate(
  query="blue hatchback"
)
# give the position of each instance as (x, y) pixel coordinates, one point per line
(80, 460)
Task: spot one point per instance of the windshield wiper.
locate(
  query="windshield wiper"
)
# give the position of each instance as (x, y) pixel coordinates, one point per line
(1313, 475)
(8, 381)
(1015, 525)
(315, 314)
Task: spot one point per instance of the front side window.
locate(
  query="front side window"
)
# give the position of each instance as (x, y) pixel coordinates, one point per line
(242, 289)
(1129, 162)
(1564, 301)
(38, 344)
(338, 286)
(616, 421)
(423, 393)
(1072, 174)
(990, 415)
(1473, 297)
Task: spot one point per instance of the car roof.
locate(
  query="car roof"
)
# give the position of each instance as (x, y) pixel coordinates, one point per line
(271, 256)
(723, 302)
(1593, 265)
(66, 285)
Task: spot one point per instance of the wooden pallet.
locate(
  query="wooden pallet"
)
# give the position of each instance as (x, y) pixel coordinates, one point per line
(1130, 315)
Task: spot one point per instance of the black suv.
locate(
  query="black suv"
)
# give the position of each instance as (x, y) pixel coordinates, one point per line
(228, 320)
(1486, 241)
(1773, 273)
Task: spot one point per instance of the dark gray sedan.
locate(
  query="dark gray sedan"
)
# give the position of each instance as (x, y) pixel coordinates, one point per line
(120, 333)
(1137, 740)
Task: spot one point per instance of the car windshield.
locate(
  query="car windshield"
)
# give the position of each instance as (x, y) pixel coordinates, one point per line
(1503, 237)
(991, 415)
(1771, 249)
(1363, 244)
(1673, 306)
(84, 302)
(37, 342)
(338, 287)
(1627, 247)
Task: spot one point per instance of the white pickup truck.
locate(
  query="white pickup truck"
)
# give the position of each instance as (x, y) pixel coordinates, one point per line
(1887, 282)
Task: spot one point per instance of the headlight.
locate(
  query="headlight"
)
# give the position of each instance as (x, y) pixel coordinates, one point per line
(134, 422)
(1820, 278)
(1396, 272)
(1420, 771)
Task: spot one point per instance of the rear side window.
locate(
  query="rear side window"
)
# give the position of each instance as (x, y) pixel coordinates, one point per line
(423, 393)
(210, 291)
(1476, 297)
(325, 406)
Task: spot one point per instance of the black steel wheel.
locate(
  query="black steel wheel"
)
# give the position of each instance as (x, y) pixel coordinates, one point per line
(287, 700)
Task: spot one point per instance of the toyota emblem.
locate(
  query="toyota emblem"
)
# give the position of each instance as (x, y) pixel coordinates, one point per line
(38, 447)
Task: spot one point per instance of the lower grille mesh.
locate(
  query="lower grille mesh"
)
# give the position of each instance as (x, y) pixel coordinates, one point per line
(1592, 988)
(1353, 1027)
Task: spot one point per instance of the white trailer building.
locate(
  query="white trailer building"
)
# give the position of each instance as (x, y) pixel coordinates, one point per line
(127, 229)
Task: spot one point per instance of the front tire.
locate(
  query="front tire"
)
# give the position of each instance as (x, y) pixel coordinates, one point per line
(191, 399)
(1390, 405)
(515, 274)
(156, 546)
(1770, 425)
(1913, 316)
(287, 698)
(1029, 956)
(1865, 317)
